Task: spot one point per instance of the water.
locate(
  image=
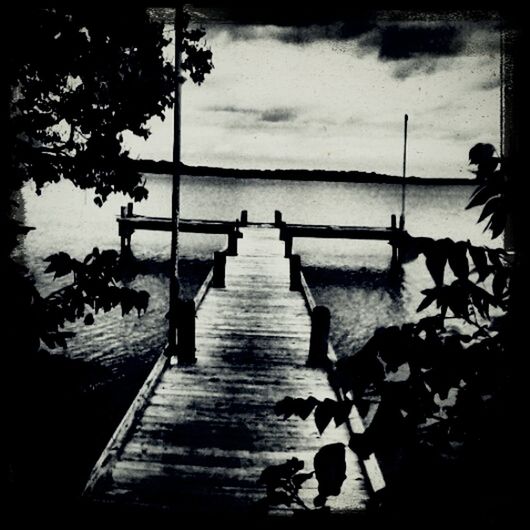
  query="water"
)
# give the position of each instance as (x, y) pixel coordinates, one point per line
(350, 277)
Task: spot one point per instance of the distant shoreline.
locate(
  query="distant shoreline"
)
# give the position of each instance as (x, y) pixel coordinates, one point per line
(165, 168)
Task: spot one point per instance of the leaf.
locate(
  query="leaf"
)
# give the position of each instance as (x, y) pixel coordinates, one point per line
(499, 283)
(478, 255)
(303, 407)
(481, 195)
(480, 153)
(273, 475)
(300, 478)
(285, 407)
(330, 469)
(342, 411)
(360, 445)
(458, 259)
(323, 414)
(60, 264)
(141, 301)
(498, 223)
(430, 297)
(491, 206)
(436, 258)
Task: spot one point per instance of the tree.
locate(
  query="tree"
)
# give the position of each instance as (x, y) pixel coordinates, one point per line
(78, 79)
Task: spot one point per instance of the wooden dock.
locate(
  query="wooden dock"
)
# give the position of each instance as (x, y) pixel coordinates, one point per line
(197, 438)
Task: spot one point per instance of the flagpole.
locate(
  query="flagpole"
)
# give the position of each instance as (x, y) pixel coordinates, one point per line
(174, 282)
(403, 185)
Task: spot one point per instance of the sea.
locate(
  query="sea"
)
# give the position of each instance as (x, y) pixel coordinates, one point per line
(351, 277)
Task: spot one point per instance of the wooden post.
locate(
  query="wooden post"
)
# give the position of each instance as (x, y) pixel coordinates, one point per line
(295, 270)
(244, 218)
(129, 209)
(219, 265)
(277, 218)
(393, 242)
(232, 243)
(186, 332)
(125, 234)
(318, 343)
(288, 238)
(282, 230)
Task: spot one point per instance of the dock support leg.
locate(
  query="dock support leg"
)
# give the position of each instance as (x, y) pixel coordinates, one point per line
(244, 218)
(295, 271)
(277, 218)
(126, 233)
(282, 227)
(186, 332)
(288, 238)
(318, 343)
(125, 243)
(219, 264)
(232, 243)
(395, 261)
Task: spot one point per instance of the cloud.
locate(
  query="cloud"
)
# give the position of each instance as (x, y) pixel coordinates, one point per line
(279, 115)
(249, 117)
(233, 109)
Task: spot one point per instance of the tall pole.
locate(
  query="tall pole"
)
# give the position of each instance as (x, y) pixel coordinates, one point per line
(403, 186)
(174, 283)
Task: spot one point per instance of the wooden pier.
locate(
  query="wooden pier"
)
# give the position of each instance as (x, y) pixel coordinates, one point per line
(392, 234)
(129, 222)
(197, 438)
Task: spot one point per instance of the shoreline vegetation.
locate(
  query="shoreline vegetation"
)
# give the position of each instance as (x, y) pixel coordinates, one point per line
(163, 167)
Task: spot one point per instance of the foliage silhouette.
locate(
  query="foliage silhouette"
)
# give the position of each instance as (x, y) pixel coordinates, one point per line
(78, 82)
(433, 387)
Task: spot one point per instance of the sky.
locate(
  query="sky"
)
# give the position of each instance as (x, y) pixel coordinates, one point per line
(333, 96)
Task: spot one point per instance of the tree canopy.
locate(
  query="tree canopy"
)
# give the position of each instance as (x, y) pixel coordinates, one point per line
(79, 78)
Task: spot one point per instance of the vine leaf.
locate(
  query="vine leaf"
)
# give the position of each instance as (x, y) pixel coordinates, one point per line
(480, 260)
(430, 297)
(323, 414)
(330, 471)
(458, 259)
(342, 411)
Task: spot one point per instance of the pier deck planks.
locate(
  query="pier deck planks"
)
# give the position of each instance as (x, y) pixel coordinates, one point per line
(201, 435)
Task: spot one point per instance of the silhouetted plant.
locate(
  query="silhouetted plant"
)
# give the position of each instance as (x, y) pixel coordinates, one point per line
(429, 384)
(79, 80)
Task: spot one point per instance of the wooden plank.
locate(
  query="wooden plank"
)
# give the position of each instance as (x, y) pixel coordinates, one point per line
(201, 293)
(142, 222)
(110, 453)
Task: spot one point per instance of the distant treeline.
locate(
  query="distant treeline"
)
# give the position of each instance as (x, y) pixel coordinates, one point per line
(166, 168)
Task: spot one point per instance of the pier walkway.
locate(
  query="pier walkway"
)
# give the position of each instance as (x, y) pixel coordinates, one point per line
(197, 438)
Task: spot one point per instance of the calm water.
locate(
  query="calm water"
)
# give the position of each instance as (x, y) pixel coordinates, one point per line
(348, 276)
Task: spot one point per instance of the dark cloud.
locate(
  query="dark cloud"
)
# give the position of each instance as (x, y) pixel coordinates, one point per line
(279, 114)
(408, 42)
(272, 115)
(337, 31)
